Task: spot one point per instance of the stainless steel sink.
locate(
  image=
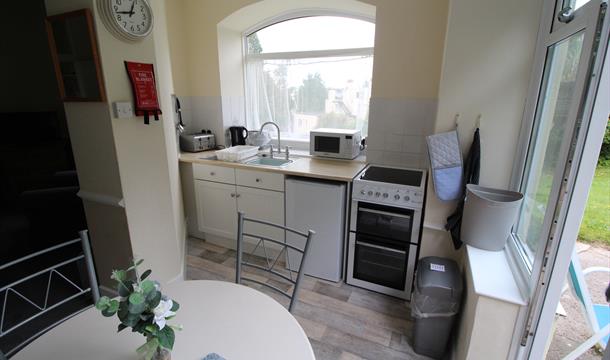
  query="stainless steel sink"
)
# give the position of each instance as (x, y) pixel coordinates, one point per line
(266, 161)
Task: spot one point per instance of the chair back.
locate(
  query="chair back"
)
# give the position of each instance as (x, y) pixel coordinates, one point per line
(33, 301)
(271, 265)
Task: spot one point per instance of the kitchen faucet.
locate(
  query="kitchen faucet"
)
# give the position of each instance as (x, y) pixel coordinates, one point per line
(279, 144)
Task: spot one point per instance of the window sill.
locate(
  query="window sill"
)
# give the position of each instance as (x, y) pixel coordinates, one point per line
(492, 276)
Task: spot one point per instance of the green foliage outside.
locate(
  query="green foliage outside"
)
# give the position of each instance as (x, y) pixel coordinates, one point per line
(142, 307)
(312, 95)
(604, 154)
(595, 226)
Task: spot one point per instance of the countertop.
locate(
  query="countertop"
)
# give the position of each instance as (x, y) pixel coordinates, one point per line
(329, 169)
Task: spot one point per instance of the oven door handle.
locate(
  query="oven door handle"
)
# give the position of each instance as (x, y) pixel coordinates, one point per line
(384, 213)
(380, 247)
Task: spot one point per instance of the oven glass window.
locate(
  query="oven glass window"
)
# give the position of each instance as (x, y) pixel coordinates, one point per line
(380, 264)
(328, 144)
(378, 220)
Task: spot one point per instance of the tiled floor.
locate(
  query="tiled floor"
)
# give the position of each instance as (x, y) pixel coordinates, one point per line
(342, 322)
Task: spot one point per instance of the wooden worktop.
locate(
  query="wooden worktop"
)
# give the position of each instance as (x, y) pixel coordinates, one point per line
(330, 169)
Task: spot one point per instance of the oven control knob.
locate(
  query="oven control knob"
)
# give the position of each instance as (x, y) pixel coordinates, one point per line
(385, 195)
(362, 192)
(370, 193)
(396, 197)
(377, 194)
(407, 198)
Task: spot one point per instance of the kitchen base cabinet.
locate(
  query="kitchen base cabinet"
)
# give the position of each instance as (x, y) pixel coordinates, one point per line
(259, 195)
(216, 208)
(264, 205)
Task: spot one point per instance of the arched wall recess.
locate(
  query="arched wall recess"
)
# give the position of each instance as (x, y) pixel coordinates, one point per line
(232, 29)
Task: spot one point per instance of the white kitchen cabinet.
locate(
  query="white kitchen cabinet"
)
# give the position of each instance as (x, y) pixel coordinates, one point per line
(262, 205)
(216, 208)
(214, 173)
(260, 179)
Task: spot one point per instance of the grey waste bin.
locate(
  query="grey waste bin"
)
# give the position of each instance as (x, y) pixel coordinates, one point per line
(488, 217)
(435, 304)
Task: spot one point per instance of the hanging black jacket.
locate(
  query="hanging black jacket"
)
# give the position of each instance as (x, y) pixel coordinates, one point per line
(471, 176)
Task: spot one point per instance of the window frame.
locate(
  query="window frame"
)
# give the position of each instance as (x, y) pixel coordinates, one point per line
(299, 144)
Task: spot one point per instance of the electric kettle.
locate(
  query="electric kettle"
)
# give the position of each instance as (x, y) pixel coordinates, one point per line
(239, 134)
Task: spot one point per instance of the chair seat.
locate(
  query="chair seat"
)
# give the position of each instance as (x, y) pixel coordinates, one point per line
(602, 313)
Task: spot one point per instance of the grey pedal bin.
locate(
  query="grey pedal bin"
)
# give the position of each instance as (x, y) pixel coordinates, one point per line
(435, 304)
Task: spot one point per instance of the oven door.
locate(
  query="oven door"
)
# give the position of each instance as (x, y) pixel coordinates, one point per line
(376, 261)
(380, 265)
(384, 221)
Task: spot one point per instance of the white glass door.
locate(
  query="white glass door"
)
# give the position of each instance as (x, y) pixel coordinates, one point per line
(558, 112)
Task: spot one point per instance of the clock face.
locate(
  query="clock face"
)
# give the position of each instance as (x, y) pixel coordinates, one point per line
(132, 16)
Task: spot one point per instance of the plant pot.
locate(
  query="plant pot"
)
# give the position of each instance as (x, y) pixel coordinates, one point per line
(162, 354)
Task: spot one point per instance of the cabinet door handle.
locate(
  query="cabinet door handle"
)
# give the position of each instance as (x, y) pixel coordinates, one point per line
(238, 195)
(212, 173)
(258, 180)
(232, 195)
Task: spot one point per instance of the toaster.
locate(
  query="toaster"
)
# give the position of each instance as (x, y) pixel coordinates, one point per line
(197, 142)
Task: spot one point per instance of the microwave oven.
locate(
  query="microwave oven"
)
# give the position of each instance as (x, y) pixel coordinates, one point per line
(335, 143)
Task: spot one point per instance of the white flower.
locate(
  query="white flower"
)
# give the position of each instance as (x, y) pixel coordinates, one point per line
(162, 312)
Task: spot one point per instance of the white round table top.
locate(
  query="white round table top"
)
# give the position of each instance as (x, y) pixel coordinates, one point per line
(234, 321)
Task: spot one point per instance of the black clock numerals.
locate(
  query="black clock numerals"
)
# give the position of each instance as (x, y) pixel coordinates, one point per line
(118, 2)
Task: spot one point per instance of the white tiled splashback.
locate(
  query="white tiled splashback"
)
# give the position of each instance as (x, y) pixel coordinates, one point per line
(397, 131)
(396, 136)
(206, 112)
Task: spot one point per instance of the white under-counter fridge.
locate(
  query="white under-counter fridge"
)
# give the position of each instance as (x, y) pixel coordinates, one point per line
(320, 206)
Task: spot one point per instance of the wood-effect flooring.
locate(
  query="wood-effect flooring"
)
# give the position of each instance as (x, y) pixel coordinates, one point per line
(342, 322)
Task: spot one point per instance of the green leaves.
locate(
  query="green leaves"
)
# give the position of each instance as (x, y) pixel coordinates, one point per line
(175, 306)
(145, 274)
(135, 309)
(107, 306)
(166, 337)
(147, 286)
(102, 303)
(119, 275)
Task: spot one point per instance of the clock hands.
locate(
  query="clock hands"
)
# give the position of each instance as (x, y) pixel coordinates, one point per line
(131, 10)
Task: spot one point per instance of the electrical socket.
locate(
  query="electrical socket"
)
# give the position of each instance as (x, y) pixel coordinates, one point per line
(122, 109)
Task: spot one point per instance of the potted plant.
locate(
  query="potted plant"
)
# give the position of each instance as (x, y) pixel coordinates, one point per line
(143, 308)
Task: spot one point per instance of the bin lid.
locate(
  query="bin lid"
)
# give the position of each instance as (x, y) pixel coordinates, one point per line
(439, 278)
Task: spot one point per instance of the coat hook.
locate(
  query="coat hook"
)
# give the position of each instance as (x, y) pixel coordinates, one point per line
(478, 122)
(457, 120)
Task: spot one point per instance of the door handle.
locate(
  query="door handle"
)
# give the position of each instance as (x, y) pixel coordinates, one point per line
(232, 195)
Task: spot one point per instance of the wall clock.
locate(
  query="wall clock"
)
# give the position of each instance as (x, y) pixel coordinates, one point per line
(129, 20)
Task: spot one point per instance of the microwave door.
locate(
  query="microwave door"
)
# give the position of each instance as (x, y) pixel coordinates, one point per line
(327, 144)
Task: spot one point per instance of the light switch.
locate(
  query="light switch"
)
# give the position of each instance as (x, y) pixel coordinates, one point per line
(122, 109)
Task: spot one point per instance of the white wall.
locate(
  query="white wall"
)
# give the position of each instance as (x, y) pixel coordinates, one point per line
(143, 157)
(489, 49)
(140, 160)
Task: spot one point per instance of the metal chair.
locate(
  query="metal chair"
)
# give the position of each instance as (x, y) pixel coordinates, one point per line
(270, 266)
(44, 307)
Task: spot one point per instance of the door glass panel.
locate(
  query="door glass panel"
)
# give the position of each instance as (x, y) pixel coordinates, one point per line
(551, 124)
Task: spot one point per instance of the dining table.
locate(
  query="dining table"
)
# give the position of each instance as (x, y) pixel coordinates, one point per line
(234, 321)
